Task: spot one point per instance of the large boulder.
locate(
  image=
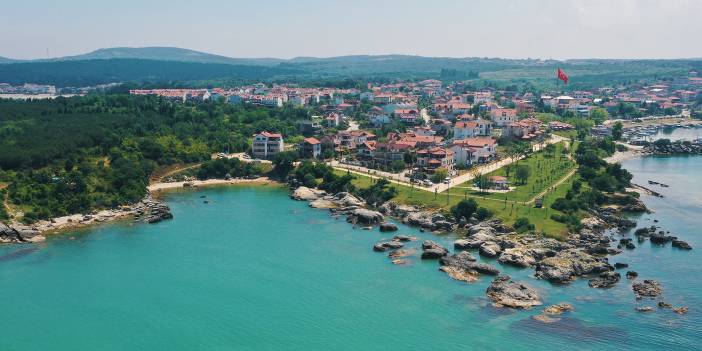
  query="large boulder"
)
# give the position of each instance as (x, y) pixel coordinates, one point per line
(647, 288)
(387, 245)
(568, 264)
(365, 216)
(604, 280)
(304, 193)
(506, 293)
(466, 262)
(489, 249)
(387, 227)
(517, 256)
(432, 250)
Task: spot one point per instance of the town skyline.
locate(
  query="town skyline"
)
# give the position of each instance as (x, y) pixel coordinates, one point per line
(543, 29)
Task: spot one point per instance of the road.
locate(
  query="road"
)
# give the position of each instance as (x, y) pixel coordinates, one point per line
(478, 170)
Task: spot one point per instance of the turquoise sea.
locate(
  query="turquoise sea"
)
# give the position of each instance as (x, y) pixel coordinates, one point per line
(253, 270)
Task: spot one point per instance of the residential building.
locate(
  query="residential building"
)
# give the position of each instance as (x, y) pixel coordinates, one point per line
(311, 148)
(469, 129)
(474, 150)
(503, 116)
(267, 145)
(436, 157)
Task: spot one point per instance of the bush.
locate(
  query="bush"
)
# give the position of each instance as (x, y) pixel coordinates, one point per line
(464, 208)
(522, 225)
(483, 213)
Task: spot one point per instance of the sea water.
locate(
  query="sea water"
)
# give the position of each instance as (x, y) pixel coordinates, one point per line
(254, 270)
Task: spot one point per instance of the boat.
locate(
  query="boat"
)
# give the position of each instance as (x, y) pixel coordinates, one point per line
(652, 182)
(664, 185)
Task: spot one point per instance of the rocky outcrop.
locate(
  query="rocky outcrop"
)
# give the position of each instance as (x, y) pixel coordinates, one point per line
(681, 245)
(364, 216)
(18, 233)
(156, 212)
(506, 293)
(647, 288)
(432, 250)
(489, 249)
(464, 261)
(304, 193)
(518, 256)
(463, 266)
(568, 264)
(388, 227)
(387, 245)
(605, 280)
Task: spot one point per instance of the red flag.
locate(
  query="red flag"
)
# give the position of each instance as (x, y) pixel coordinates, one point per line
(562, 76)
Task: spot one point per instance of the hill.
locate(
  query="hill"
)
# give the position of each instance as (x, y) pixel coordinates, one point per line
(166, 54)
(98, 71)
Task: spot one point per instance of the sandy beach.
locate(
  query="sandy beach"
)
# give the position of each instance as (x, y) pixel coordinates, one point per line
(156, 187)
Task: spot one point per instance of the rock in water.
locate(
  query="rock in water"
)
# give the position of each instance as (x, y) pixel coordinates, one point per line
(490, 249)
(387, 245)
(631, 274)
(647, 288)
(362, 215)
(506, 293)
(681, 245)
(605, 280)
(388, 227)
(559, 308)
(432, 250)
(568, 264)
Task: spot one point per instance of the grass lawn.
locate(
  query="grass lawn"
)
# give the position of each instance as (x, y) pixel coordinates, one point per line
(545, 171)
(508, 212)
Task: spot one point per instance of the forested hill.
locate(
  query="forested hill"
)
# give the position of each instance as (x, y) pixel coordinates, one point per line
(94, 72)
(72, 155)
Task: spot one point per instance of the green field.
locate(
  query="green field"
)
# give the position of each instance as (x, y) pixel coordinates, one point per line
(545, 171)
(507, 211)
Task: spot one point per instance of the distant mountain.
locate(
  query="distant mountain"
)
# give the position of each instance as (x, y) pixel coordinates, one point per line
(165, 54)
(78, 73)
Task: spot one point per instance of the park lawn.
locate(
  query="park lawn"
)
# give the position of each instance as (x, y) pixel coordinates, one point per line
(545, 171)
(506, 211)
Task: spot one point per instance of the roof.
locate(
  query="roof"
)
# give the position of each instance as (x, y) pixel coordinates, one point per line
(475, 142)
(312, 141)
(270, 135)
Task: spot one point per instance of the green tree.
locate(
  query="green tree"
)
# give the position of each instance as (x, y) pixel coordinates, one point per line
(464, 208)
(617, 131)
(599, 115)
(439, 175)
(522, 173)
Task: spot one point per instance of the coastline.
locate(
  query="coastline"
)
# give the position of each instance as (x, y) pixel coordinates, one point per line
(37, 232)
(158, 187)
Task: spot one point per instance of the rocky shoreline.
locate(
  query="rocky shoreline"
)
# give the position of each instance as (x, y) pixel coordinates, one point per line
(147, 210)
(583, 255)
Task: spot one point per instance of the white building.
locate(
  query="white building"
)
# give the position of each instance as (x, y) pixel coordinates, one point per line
(503, 116)
(470, 129)
(267, 145)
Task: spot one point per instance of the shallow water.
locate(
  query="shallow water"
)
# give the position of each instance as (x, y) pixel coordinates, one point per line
(253, 270)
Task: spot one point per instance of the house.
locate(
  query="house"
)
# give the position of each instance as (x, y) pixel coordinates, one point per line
(267, 145)
(434, 158)
(556, 125)
(366, 151)
(498, 182)
(311, 148)
(378, 119)
(333, 120)
(526, 129)
(503, 116)
(474, 150)
(351, 139)
(386, 153)
(469, 129)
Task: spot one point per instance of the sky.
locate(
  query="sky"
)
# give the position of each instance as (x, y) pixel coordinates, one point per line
(548, 29)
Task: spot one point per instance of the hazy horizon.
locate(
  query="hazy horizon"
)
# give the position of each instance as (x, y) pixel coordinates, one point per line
(540, 29)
